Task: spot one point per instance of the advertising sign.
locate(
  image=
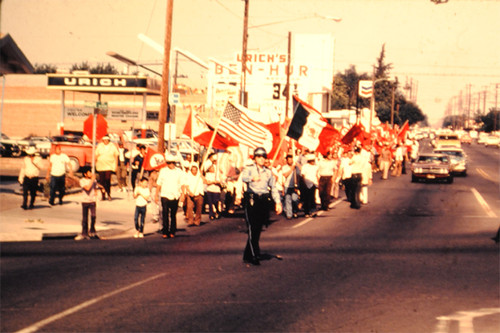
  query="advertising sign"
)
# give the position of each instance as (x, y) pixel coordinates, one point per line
(311, 71)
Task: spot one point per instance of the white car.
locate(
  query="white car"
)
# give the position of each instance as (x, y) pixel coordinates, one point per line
(492, 141)
(41, 143)
(458, 159)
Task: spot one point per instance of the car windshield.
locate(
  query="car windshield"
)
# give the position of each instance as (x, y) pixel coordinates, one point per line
(432, 159)
(452, 153)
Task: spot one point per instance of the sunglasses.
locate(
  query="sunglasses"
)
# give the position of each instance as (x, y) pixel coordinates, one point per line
(261, 155)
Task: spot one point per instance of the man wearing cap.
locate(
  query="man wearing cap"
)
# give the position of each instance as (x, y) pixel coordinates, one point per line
(28, 177)
(260, 187)
(106, 155)
(170, 183)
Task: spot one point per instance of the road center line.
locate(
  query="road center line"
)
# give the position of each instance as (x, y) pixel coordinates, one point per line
(35, 327)
(309, 219)
(483, 174)
(483, 203)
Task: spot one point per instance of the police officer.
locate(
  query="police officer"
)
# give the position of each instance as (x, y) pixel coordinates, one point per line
(261, 189)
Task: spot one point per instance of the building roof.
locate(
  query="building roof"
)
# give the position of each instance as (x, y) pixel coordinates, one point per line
(12, 59)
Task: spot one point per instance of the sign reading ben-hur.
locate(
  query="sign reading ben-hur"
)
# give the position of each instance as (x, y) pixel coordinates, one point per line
(104, 84)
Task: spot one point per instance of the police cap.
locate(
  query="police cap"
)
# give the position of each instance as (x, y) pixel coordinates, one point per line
(260, 152)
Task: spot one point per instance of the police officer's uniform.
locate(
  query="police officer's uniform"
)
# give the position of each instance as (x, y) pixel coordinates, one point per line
(257, 205)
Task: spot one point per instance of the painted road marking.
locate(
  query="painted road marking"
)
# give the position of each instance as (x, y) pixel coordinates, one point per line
(464, 318)
(36, 326)
(309, 219)
(485, 175)
(483, 203)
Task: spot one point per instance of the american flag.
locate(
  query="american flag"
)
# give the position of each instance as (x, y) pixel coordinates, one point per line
(238, 125)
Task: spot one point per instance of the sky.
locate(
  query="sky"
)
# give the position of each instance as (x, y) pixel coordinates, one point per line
(439, 49)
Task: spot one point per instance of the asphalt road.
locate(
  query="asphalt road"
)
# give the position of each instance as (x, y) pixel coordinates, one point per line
(417, 258)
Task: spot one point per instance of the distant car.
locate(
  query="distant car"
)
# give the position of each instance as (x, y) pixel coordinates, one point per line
(67, 138)
(432, 167)
(185, 148)
(481, 139)
(41, 143)
(466, 138)
(447, 140)
(492, 141)
(458, 159)
(10, 147)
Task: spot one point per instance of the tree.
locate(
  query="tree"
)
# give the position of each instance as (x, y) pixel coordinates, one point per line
(490, 121)
(382, 69)
(98, 69)
(44, 68)
(347, 83)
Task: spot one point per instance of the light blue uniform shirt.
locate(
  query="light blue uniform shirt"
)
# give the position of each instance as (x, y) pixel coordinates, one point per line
(266, 182)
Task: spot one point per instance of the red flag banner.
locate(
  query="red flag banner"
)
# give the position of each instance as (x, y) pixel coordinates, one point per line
(198, 129)
(153, 160)
(402, 131)
(310, 129)
(353, 132)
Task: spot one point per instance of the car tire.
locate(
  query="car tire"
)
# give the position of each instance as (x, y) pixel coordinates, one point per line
(17, 153)
(450, 180)
(74, 164)
(413, 179)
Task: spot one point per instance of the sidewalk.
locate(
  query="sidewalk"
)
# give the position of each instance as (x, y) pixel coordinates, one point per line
(115, 219)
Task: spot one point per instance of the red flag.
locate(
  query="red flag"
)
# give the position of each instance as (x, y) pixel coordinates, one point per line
(402, 131)
(201, 132)
(353, 132)
(310, 129)
(101, 127)
(153, 160)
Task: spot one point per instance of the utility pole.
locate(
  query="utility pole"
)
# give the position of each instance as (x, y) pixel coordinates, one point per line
(164, 109)
(287, 96)
(243, 93)
(393, 88)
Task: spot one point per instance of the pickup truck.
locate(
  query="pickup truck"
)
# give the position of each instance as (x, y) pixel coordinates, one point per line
(80, 154)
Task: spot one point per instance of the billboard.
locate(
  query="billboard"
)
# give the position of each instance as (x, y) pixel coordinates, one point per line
(311, 71)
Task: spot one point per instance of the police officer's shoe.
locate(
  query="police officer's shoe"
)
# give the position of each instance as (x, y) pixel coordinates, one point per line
(253, 261)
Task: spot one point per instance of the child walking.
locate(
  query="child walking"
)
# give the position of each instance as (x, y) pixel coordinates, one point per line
(142, 196)
(89, 186)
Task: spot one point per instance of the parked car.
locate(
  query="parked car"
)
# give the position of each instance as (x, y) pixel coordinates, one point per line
(432, 167)
(458, 159)
(41, 143)
(492, 141)
(67, 138)
(10, 147)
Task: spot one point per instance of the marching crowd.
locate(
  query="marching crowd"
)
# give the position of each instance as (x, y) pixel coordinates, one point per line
(302, 182)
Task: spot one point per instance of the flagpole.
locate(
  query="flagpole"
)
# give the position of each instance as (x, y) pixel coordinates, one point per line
(212, 139)
(281, 142)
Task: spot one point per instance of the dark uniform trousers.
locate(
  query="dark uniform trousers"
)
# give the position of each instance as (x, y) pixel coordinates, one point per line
(256, 215)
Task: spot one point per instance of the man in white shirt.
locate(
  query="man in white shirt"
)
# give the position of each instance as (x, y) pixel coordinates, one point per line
(58, 164)
(28, 177)
(193, 190)
(170, 183)
(308, 192)
(106, 155)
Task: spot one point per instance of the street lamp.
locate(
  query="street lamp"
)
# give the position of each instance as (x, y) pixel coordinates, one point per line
(372, 99)
(129, 61)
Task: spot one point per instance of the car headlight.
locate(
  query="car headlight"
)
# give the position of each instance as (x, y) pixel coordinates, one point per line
(443, 171)
(418, 170)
